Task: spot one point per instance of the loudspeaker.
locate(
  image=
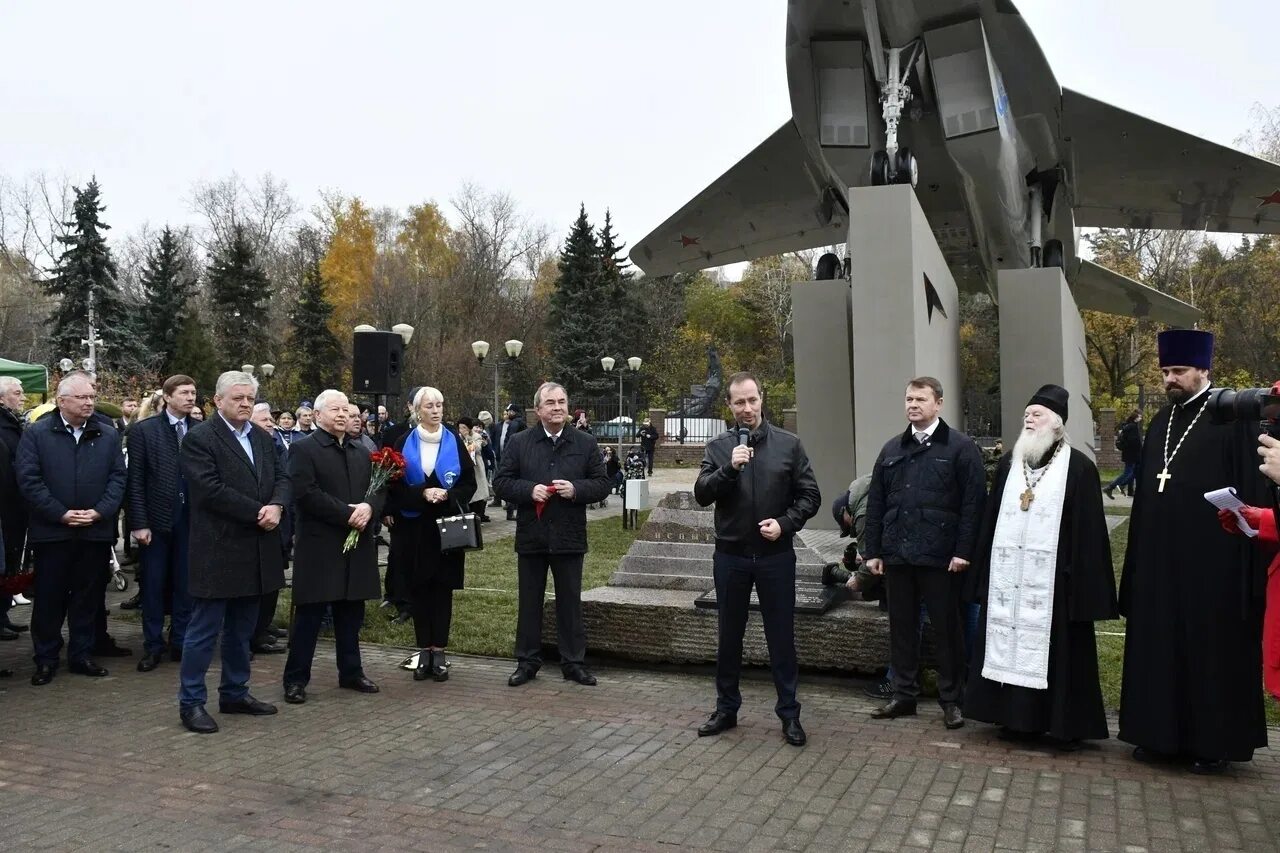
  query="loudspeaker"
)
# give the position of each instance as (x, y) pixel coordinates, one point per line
(376, 358)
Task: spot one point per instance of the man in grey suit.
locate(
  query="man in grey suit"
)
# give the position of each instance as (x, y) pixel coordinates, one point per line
(238, 491)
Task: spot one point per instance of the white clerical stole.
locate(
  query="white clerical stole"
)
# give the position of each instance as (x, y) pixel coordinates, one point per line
(1024, 560)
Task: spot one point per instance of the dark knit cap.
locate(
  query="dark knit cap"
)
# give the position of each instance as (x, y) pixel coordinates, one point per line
(1054, 398)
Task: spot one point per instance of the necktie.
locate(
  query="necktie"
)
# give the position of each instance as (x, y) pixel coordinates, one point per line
(180, 427)
(922, 437)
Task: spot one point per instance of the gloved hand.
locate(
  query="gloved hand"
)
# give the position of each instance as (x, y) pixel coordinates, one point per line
(1252, 516)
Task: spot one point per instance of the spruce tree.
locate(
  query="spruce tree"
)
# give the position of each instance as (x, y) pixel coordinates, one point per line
(577, 318)
(86, 270)
(314, 355)
(194, 355)
(238, 294)
(167, 285)
(622, 325)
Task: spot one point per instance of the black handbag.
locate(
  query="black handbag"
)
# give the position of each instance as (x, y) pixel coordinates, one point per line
(459, 532)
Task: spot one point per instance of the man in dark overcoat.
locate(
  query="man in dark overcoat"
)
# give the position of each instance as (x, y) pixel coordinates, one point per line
(13, 509)
(157, 519)
(71, 474)
(551, 473)
(238, 492)
(329, 475)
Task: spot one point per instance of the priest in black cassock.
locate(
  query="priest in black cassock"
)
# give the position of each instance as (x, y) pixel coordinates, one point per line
(1192, 594)
(1043, 576)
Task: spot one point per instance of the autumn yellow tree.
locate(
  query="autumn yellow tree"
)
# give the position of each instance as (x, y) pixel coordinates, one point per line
(349, 261)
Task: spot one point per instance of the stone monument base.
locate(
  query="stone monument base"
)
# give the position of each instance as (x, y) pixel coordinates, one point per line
(648, 612)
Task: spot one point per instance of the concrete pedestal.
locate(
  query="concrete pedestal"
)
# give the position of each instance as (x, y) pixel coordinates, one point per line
(821, 315)
(1042, 341)
(906, 316)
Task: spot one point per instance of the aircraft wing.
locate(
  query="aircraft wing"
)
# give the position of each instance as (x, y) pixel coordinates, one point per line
(1097, 288)
(771, 202)
(1130, 172)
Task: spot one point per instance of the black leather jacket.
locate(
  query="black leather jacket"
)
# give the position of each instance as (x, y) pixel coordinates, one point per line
(925, 503)
(778, 483)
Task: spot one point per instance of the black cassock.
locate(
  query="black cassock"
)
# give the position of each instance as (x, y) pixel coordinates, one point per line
(1193, 597)
(1084, 591)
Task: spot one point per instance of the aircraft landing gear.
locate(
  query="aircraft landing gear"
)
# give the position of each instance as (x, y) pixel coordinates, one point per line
(904, 168)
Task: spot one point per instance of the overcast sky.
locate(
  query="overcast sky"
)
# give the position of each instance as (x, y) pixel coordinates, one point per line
(634, 106)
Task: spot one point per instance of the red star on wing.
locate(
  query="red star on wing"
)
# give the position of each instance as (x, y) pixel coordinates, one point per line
(1274, 198)
(686, 242)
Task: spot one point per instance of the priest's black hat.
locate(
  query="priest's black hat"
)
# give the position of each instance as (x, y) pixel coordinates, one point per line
(1185, 348)
(1054, 398)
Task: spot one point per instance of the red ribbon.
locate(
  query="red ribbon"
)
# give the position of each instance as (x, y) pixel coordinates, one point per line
(539, 505)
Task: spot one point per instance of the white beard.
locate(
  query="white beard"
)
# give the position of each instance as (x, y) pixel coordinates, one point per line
(1032, 446)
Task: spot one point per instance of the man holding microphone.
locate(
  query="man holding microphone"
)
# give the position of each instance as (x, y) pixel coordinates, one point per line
(764, 489)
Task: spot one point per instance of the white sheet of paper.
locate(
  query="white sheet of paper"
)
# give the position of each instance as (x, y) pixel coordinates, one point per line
(1226, 499)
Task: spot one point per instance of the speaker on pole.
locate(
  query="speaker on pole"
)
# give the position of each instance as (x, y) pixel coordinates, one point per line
(376, 359)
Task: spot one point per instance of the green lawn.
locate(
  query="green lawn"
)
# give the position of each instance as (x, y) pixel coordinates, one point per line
(484, 613)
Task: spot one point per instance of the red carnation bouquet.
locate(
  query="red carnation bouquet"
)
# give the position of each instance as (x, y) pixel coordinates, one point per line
(388, 465)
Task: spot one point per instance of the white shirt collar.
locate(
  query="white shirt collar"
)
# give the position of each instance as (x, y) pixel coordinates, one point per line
(553, 436)
(929, 430)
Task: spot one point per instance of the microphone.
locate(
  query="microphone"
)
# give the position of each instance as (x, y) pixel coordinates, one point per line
(744, 437)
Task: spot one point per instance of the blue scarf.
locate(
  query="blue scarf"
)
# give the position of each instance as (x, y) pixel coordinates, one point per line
(448, 466)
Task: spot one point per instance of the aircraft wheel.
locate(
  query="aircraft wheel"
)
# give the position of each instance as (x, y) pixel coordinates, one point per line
(908, 170)
(1053, 254)
(828, 267)
(879, 169)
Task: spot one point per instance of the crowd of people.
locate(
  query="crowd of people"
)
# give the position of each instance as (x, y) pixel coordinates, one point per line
(1011, 567)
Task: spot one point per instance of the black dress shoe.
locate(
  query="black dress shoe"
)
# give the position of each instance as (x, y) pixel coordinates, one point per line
(247, 705)
(43, 675)
(793, 732)
(894, 709)
(196, 719)
(1150, 756)
(422, 671)
(951, 716)
(1110, 493)
(360, 684)
(439, 666)
(134, 603)
(1209, 767)
(522, 675)
(401, 618)
(719, 721)
(109, 648)
(295, 694)
(150, 662)
(580, 674)
(267, 649)
(278, 632)
(87, 667)
(13, 626)
(6, 634)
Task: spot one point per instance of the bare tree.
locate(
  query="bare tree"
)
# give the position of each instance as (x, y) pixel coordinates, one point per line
(265, 211)
(33, 214)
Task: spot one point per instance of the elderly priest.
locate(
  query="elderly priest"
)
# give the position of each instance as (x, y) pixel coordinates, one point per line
(1043, 575)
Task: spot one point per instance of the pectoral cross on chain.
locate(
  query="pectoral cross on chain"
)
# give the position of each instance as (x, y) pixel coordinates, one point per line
(1027, 497)
(1164, 476)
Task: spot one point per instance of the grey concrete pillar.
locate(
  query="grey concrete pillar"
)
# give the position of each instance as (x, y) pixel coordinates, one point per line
(821, 316)
(906, 317)
(1042, 341)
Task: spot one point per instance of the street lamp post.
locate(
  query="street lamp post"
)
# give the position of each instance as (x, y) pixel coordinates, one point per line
(633, 365)
(481, 351)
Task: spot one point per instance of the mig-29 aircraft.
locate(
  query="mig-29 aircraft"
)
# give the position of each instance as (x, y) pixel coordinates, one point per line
(956, 98)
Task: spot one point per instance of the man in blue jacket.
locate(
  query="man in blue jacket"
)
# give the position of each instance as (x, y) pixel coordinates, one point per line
(72, 475)
(923, 514)
(158, 520)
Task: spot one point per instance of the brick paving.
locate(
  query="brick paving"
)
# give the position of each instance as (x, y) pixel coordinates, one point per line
(103, 764)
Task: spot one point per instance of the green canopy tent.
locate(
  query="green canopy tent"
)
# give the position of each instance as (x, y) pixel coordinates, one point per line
(35, 377)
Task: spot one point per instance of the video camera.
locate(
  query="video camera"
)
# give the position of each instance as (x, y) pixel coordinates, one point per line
(1257, 405)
